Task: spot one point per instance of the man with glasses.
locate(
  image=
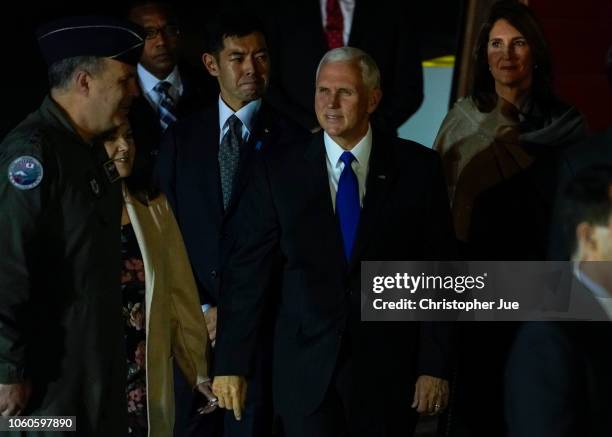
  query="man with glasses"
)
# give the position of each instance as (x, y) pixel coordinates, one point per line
(170, 90)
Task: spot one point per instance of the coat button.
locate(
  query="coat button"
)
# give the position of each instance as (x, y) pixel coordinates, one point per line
(213, 274)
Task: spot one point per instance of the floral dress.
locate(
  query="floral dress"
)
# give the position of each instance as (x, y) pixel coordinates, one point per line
(133, 291)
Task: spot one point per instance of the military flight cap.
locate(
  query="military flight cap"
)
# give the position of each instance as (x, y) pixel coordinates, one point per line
(105, 37)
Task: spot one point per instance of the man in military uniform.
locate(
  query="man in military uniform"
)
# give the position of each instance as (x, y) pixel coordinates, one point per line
(61, 335)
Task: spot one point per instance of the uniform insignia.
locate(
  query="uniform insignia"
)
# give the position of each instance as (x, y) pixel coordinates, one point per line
(95, 187)
(25, 172)
(110, 169)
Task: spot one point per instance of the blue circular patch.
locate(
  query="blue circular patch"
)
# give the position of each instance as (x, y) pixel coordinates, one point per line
(25, 172)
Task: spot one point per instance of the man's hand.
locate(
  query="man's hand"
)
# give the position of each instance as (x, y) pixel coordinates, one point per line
(231, 392)
(430, 395)
(211, 323)
(206, 389)
(14, 398)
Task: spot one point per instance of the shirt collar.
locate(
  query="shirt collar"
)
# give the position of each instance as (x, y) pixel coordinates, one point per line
(361, 151)
(246, 114)
(148, 81)
(597, 290)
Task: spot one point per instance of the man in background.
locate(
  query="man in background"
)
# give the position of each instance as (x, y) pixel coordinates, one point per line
(558, 380)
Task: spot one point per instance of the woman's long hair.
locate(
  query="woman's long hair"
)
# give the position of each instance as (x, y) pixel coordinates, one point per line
(522, 18)
(141, 183)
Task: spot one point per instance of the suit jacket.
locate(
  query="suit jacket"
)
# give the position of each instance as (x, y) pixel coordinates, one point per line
(558, 380)
(286, 219)
(188, 173)
(175, 325)
(522, 208)
(596, 149)
(145, 120)
(385, 33)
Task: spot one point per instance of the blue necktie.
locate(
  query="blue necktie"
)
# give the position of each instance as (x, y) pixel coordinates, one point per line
(347, 203)
(167, 106)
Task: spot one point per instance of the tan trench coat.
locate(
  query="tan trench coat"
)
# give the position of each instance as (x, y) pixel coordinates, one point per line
(175, 325)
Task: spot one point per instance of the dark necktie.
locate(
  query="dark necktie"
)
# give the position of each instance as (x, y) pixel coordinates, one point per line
(347, 203)
(229, 157)
(334, 24)
(167, 106)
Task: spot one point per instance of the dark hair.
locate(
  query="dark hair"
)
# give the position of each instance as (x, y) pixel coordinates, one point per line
(230, 24)
(141, 182)
(587, 199)
(164, 7)
(60, 73)
(523, 19)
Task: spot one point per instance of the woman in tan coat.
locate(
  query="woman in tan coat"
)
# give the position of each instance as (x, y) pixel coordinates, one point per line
(163, 320)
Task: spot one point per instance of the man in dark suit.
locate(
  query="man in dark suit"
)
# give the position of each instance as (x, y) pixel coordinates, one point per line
(303, 212)
(558, 380)
(202, 168)
(169, 91)
(306, 29)
(596, 149)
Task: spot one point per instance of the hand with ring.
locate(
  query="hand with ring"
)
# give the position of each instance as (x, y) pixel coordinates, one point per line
(430, 395)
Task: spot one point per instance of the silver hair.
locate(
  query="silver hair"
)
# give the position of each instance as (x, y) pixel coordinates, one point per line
(369, 70)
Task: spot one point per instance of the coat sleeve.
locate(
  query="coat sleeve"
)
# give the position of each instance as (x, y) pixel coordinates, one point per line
(189, 334)
(22, 215)
(246, 279)
(436, 338)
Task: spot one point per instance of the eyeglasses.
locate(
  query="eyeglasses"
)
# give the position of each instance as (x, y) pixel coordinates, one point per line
(169, 30)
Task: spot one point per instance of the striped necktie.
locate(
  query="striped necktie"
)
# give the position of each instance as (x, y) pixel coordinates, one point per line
(167, 106)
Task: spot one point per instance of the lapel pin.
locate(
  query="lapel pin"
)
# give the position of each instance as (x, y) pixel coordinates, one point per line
(95, 187)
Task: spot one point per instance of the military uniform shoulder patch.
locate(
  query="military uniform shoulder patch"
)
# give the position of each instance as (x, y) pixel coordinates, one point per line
(25, 172)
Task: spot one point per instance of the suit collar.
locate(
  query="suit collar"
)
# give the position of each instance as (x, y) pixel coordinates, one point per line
(247, 115)
(148, 81)
(381, 175)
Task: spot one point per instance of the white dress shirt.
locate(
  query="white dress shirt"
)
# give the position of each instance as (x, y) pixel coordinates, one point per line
(347, 7)
(148, 82)
(246, 114)
(361, 152)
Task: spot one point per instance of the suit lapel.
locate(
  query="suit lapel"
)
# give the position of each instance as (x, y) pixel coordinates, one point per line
(260, 137)
(317, 161)
(381, 174)
(356, 25)
(207, 163)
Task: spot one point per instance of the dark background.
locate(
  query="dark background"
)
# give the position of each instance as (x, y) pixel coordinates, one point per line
(23, 79)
